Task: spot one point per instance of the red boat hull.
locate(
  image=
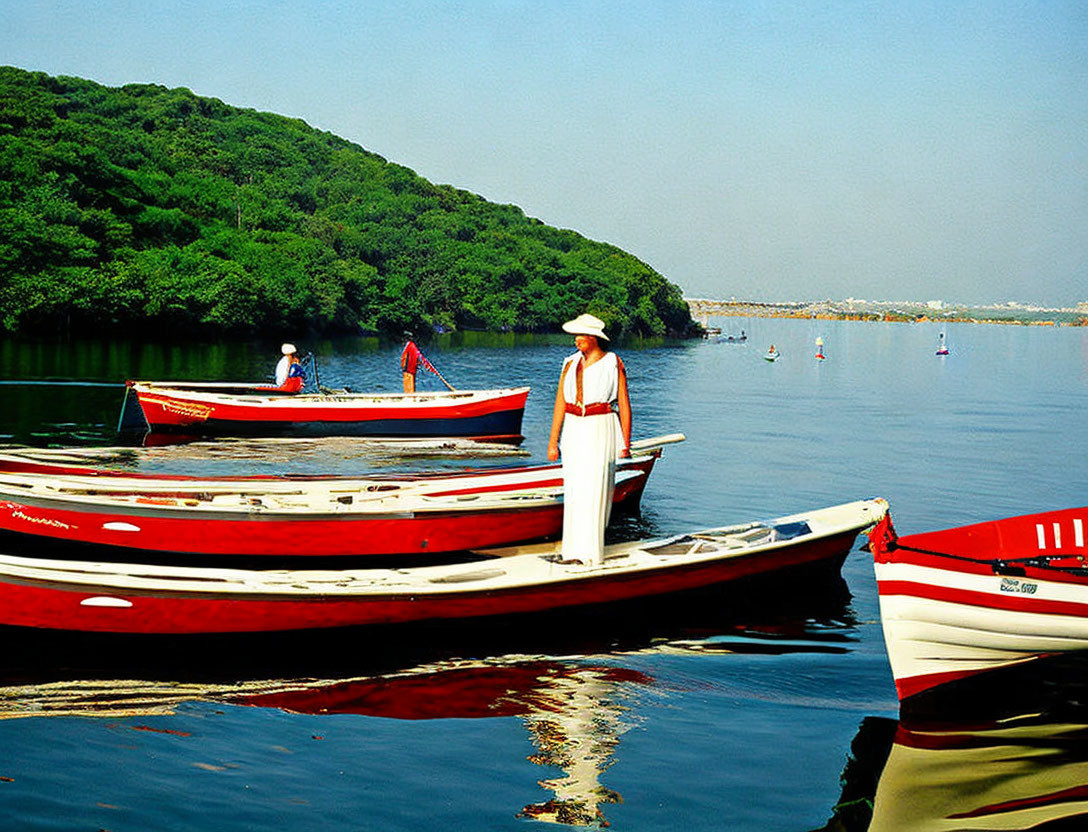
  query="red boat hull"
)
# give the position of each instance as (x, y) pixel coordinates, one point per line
(496, 417)
(28, 604)
(411, 533)
(157, 525)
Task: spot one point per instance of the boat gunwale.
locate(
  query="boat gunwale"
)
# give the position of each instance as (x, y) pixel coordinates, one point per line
(924, 549)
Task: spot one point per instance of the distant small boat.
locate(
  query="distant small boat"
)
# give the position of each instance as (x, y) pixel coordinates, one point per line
(732, 339)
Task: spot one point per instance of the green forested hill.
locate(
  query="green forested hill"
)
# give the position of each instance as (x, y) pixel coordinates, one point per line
(154, 209)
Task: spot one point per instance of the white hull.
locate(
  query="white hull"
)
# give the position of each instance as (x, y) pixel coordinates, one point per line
(929, 639)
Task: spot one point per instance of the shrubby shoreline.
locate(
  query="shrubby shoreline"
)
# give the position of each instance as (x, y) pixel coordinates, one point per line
(153, 211)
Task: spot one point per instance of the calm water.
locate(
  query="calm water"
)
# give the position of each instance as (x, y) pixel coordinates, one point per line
(730, 713)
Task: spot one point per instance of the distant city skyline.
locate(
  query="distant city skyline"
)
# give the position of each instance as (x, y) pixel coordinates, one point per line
(763, 150)
(932, 303)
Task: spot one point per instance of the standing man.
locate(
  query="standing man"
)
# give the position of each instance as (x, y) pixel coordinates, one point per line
(409, 363)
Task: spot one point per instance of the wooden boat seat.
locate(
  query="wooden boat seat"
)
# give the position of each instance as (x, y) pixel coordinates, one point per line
(686, 545)
(739, 538)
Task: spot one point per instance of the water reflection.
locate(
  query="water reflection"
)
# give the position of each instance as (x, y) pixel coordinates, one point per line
(1021, 773)
(575, 695)
(273, 455)
(577, 730)
(574, 710)
(1024, 772)
(1010, 755)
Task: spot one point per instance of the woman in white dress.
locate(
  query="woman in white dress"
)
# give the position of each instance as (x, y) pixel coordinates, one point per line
(593, 435)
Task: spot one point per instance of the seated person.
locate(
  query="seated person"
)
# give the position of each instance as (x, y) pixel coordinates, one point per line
(289, 373)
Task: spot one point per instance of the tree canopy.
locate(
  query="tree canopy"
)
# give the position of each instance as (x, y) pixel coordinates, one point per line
(156, 210)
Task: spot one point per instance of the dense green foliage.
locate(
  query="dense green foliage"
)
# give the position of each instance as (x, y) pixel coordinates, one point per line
(150, 208)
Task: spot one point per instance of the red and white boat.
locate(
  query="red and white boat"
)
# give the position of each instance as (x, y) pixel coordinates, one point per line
(148, 599)
(296, 516)
(230, 409)
(962, 601)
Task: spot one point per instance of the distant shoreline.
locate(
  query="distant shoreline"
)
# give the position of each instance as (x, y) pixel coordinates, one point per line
(904, 312)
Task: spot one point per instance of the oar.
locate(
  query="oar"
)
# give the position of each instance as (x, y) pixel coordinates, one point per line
(655, 442)
(444, 380)
(434, 370)
(7, 382)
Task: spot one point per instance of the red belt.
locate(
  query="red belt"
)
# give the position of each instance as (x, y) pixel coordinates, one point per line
(595, 409)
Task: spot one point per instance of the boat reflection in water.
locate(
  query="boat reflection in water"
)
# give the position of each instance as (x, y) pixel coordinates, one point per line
(978, 764)
(277, 455)
(575, 713)
(1021, 773)
(575, 709)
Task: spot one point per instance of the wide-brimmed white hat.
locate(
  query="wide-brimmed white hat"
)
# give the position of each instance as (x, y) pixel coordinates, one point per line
(288, 349)
(586, 324)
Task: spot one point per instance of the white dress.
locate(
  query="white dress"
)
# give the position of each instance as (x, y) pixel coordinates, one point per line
(588, 448)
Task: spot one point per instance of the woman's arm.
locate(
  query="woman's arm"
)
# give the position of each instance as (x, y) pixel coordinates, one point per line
(558, 412)
(624, 401)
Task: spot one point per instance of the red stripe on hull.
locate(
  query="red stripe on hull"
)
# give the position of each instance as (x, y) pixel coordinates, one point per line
(914, 685)
(420, 533)
(1018, 548)
(51, 607)
(972, 598)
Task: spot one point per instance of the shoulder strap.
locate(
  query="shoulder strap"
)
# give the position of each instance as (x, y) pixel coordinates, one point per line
(578, 372)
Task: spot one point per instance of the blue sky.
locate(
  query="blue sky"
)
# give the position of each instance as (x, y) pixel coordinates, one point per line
(793, 150)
